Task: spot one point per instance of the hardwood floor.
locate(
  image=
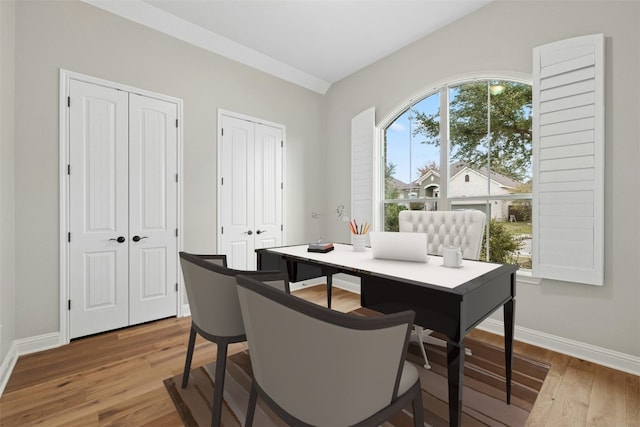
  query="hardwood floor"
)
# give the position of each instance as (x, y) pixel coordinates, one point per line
(116, 379)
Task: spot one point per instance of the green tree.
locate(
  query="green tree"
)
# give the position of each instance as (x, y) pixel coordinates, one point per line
(502, 246)
(510, 144)
(391, 192)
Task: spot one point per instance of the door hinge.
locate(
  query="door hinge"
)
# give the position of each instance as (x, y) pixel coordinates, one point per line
(281, 227)
(222, 131)
(68, 101)
(68, 304)
(222, 181)
(176, 232)
(281, 144)
(69, 237)
(221, 230)
(176, 287)
(176, 122)
(68, 169)
(176, 177)
(282, 185)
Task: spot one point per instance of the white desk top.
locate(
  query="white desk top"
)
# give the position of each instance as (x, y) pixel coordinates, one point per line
(432, 272)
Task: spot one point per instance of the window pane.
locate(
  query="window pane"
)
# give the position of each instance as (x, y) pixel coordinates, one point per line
(510, 239)
(489, 145)
(501, 139)
(412, 152)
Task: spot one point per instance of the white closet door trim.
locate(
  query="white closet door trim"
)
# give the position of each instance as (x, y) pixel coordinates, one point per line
(63, 141)
(568, 152)
(223, 112)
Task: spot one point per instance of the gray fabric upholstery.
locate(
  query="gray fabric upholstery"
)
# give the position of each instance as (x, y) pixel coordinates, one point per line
(464, 229)
(211, 291)
(323, 367)
(213, 300)
(215, 312)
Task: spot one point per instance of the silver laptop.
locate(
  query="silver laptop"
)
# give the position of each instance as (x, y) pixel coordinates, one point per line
(400, 246)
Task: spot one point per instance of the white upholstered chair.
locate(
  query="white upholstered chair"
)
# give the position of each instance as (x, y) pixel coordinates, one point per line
(463, 229)
(317, 367)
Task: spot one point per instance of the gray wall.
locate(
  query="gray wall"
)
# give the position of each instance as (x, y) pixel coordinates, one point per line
(7, 282)
(500, 38)
(81, 38)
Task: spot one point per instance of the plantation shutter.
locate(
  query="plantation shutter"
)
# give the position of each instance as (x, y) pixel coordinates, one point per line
(362, 166)
(568, 167)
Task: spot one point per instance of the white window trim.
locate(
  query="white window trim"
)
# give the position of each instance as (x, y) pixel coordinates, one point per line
(442, 86)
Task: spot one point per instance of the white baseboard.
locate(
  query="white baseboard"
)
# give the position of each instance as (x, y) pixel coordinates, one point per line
(6, 368)
(601, 356)
(337, 282)
(38, 343)
(22, 347)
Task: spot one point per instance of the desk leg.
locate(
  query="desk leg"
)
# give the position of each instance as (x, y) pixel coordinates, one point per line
(329, 289)
(509, 315)
(455, 372)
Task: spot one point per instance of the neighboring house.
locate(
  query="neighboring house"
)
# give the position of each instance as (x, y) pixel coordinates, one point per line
(465, 181)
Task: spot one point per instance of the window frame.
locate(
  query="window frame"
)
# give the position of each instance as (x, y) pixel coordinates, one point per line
(442, 202)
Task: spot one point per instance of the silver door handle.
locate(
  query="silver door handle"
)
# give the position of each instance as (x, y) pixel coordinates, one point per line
(138, 238)
(248, 232)
(120, 239)
(261, 231)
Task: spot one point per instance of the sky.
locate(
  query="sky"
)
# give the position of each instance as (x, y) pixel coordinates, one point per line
(398, 140)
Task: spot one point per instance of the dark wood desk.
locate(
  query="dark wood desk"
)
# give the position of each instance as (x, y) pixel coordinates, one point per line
(449, 301)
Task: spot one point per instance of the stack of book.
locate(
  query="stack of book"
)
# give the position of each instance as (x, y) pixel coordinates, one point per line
(323, 247)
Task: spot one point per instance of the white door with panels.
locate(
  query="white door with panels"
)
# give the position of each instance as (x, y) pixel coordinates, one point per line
(122, 216)
(250, 172)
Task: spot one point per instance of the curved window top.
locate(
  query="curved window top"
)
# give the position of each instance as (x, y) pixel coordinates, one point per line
(474, 138)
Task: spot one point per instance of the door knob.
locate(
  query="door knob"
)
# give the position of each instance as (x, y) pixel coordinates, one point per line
(120, 239)
(248, 232)
(138, 238)
(261, 231)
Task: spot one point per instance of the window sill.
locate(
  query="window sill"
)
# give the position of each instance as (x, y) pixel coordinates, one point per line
(526, 277)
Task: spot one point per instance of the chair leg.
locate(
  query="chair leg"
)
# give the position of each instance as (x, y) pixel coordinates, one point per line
(418, 412)
(187, 363)
(418, 330)
(251, 407)
(218, 387)
(427, 338)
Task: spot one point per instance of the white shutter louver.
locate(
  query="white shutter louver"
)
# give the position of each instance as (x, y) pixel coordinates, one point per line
(362, 167)
(568, 167)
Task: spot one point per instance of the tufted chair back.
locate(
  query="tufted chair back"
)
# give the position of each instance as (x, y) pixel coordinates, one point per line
(463, 229)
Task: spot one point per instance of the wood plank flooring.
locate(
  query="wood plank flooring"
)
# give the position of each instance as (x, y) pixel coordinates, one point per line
(115, 379)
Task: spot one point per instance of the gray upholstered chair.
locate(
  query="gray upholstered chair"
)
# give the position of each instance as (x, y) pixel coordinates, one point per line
(462, 228)
(215, 312)
(317, 367)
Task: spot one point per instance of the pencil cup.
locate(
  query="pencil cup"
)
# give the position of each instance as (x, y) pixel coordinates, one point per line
(359, 242)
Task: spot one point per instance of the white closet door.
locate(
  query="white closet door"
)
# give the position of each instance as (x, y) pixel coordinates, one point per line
(152, 204)
(268, 186)
(98, 211)
(237, 192)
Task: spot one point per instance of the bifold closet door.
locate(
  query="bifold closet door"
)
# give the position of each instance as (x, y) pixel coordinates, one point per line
(251, 186)
(98, 209)
(122, 209)
(153, 191)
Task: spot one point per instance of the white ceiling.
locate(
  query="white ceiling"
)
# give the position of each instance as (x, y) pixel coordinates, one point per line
(312, 43)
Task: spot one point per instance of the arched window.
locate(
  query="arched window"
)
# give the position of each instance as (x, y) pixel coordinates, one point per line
(488, 135)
